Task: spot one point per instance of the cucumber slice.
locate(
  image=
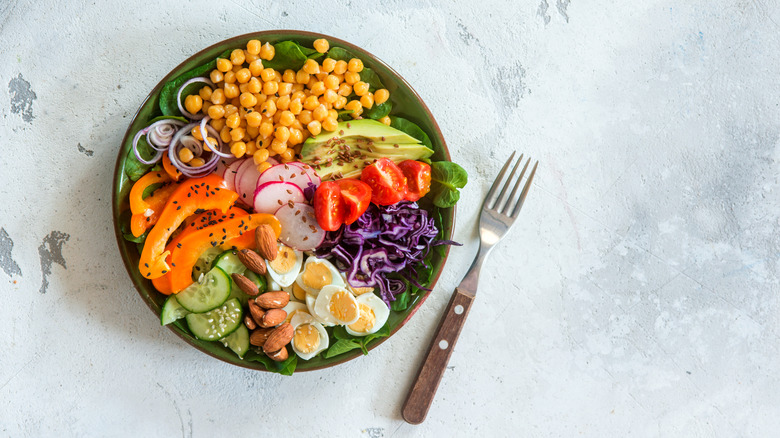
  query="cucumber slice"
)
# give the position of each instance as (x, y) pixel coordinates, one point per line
(172, 311)
(238, 341)
(205, 262)
(228, 261)
(217, 323)
(259, 281)
(211, 292)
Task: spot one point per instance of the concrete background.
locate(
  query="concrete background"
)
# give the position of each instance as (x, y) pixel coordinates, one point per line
(638, 294)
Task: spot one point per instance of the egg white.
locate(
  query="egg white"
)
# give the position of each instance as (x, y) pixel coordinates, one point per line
(285, 279)
(301, 318)
(322, 304)
(381, 313)
(335, 275)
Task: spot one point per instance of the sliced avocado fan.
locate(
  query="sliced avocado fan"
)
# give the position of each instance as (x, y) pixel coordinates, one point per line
(356, 144)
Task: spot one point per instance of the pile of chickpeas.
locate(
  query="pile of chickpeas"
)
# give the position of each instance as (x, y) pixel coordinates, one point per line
(262, 112)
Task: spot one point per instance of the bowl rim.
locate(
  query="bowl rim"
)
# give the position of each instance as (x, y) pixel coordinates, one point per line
(291, 34)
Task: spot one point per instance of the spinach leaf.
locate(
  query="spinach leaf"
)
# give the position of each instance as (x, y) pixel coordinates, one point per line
(168, 104)
(372, 79)
(134, 168)
(446, 178)
(124, 227)
(412, 129)
(286, 367)
(340, 54)
(401, 302)
(381, 333)
(290, 55)
(339, 332)
(378, 111)
(341, 346)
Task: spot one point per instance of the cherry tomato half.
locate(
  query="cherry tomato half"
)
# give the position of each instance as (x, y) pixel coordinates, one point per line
(387, 182)
(357, 196)
(329, 206)
(418, 179)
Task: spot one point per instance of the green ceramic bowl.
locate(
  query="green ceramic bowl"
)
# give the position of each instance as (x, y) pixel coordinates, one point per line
(406, 104)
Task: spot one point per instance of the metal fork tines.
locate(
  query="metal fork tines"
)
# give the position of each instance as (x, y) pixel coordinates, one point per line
(499, 212)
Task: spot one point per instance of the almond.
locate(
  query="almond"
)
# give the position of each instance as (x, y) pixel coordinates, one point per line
(249, 322)
(256, 312)
(278, 338)
(252, 261)
(279, 356)
(259, 337)
(265, 239)
(272, 318)
(273, 300)
(245, 285)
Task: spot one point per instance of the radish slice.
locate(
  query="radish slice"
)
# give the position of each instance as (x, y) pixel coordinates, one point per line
(230, 174)
(315, 179)
(246, 182)
(271, 195)
(299, 227)
(223, 164)
(285, 173)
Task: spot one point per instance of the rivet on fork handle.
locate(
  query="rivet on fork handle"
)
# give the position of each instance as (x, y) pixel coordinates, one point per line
(419, 400)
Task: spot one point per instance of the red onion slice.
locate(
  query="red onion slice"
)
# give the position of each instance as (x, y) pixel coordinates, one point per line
(185, 169)
(138, 156)
(207, 81)
(217, 149)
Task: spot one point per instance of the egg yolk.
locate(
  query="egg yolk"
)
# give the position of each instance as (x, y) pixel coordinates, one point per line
(362, 290)
(316, 275)
(306, 338)
(284, 261)
(366, 321)
(342, 306)
(298, 292)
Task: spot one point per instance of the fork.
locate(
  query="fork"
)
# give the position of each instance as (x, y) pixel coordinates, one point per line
(499, 212)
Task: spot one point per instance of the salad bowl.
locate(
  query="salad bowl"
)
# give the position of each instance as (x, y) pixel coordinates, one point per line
(406, 103)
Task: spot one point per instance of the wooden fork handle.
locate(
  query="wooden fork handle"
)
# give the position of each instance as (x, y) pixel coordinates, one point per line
(423, 390)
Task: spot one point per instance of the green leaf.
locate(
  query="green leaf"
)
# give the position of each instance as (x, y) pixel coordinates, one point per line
(412, 129)
(124, 227)
(290, 55)
(372, 79)
(381, 333)
(378, 111)
(446, 178)
(134, 168)
(401, 302)
(150, 189)
(340, 332)
(340, 54)
(341, 346)
(158, 118)
(286, 367)
(168, 104)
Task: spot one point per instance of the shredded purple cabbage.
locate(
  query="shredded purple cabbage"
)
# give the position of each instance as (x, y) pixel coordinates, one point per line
(383, 240)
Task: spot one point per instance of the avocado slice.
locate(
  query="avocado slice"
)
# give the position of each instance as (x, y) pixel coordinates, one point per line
(356, 144)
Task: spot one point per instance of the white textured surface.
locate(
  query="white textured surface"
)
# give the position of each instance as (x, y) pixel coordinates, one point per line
(638, 294)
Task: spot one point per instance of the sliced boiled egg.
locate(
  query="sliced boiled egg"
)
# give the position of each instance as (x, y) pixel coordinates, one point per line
(318, 273)
(311, 300)
(373, 315)
(357, 291)
(286, 266)
(293, 308)
(309, 336)
(337, 303)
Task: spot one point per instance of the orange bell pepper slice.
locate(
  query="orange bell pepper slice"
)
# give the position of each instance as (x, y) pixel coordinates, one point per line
(191, 224)
(205, 193)
(140, 222)
(138, 204)
(170, 169)
(238, 233)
